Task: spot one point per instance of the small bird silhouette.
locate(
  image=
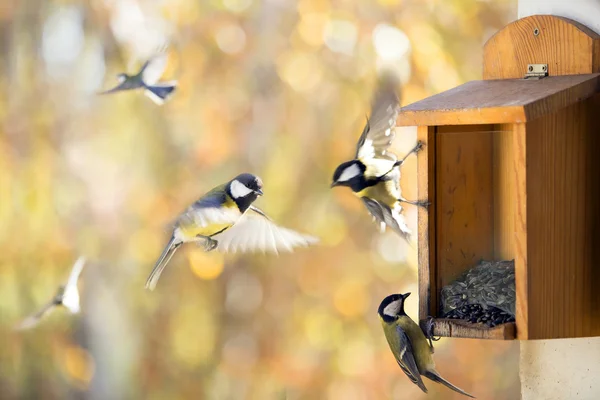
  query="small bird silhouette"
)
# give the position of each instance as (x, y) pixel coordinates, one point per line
(148, 79)
(66, 296)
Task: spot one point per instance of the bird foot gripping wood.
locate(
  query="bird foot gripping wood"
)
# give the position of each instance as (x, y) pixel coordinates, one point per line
(420, 203)
(429, 332)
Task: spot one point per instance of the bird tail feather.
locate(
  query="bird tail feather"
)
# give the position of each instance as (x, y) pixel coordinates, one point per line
(434, 376)
(162, 262)
(160, 92)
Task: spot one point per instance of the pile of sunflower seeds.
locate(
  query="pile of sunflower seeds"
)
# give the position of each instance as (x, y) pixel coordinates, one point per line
(483, 294)
(475, 314)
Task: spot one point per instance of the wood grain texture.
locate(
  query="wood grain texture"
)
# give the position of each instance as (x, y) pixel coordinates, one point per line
(562, 254)
(464, 200)
(499, 101)
(569, 48)
(461, 329)
(503, 184)
(426, 221)
(520, 223)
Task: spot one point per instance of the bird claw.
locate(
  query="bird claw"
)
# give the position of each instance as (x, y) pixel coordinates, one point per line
(209, 243)
(419, 146)
(423, 203)
(429, 332)
(420, 203)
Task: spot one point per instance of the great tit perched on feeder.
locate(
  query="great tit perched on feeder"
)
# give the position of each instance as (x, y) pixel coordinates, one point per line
(409, 344)
(66, 296)
(148, 79)
(225, 219)
(374, 173)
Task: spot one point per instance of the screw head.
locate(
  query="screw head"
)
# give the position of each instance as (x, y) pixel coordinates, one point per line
(536, 31)
(543, 68)
(530, 68)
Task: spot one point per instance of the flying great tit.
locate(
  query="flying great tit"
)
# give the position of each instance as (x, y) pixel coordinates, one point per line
(66, 296)
(225, 219)
(374, 173)
(409, 344)
(147, 79)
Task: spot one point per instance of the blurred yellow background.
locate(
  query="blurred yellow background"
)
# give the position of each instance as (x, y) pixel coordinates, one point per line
(274, 87)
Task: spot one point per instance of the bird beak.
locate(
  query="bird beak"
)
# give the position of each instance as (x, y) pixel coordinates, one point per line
(333, 184)
(259, 192)
(404, 296)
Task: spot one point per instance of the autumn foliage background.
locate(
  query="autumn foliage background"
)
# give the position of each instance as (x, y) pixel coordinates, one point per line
(274, 87)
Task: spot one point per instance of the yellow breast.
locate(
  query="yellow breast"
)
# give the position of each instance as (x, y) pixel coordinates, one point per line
(192, 231)
(384, 192)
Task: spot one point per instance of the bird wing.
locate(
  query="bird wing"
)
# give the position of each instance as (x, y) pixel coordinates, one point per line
(385, 215)
(210, 209)
(123, 85)
(34, 319)
(155, 67)
(255, 231)
(405, 357)
(70, 298)
(379, 131)
(75, 272)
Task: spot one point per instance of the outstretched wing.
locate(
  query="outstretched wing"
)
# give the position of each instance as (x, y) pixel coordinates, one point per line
(384, 215)
(403, 352)
(212, 209)
(127, 84)
(34, 319)
(379, 132)
(70, 297)
(75, 272)
(155, 67)
(256, 232)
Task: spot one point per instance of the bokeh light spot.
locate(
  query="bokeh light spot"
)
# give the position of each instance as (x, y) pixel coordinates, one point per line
(205, 265)
(231, 38)
(79, 365)
(350, 298)
(390, 42)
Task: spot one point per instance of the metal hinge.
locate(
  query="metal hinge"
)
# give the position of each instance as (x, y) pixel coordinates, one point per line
(536, 71)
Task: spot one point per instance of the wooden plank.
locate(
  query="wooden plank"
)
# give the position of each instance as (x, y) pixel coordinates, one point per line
(520, 222)
(462, 329)
(568, 47)
(562, 224)
(500, 101)
(426, 221)
(464, 200)
(503, 184)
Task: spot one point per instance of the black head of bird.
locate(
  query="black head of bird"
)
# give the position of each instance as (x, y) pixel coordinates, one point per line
(350, 174)
(392, 307)
(244, 189)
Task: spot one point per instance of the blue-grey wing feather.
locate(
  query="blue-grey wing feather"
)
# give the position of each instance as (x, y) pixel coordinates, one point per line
(406, 359)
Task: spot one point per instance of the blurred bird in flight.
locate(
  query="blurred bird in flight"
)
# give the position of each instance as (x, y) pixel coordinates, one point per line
(374, 173)
(67, 296)
(148, 79)
(225, 219)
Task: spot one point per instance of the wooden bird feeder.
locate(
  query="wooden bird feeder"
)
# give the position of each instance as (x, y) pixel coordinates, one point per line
(511, 166)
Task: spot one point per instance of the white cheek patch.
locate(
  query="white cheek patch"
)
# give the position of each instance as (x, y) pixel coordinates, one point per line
(239, 190)
(349, 173)
(393, 309)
